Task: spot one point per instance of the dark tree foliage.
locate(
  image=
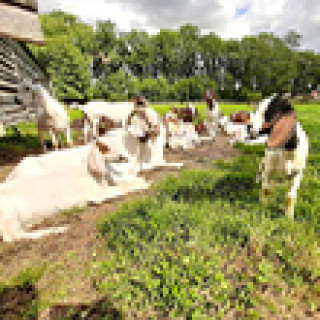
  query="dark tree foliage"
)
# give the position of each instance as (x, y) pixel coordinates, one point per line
(103, 63)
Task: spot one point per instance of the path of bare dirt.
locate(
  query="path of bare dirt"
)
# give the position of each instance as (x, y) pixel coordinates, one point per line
(68, 254)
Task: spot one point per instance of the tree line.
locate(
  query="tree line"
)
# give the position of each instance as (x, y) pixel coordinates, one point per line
(87, 63)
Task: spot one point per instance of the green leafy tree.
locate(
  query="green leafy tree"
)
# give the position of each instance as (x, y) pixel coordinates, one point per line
(191, 88)
(68, 70)
(154, 89)
(173, 64)
(138, 52)
(168, 48)
(116, 87)
(190, 51)
(211, 48)
(105, 36)
(292, 39)
(67, 54)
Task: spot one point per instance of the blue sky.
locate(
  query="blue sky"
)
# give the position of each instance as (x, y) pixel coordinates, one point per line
(242, 11)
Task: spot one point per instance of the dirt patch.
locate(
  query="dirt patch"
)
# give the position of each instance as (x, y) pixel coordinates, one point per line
(68, 255)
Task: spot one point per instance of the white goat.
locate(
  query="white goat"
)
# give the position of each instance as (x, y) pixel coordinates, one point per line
(238, 132)
(59, 180)
(94, 110)
(150, 153)
(52, 117)
(181, 134)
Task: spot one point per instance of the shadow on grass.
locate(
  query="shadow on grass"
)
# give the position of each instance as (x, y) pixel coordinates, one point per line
(229, 181)
(23, 142)
(230, 187)
(19, 302)
(22, 302)
(101, 309)
(13, 148)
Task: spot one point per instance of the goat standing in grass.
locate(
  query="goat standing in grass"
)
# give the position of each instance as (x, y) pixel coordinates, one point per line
(287, 147)
(52, 118)
(94, 110)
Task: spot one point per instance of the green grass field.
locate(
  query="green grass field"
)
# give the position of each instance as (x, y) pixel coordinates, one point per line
(206, 248)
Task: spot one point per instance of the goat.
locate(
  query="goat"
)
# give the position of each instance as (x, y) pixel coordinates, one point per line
(63, 179)
(52, 118)
(212, 113)
(94, 110)
(287, 147)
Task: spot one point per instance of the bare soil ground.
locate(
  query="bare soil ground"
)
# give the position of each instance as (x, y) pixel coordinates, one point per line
(68, 255)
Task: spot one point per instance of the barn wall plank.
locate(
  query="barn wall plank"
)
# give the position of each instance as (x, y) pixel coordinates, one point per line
(7, 98)
(20, 24)
(9, 85)
(27, 4)
(16, 65)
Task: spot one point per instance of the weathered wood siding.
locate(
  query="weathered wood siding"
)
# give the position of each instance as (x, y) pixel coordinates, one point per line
(20, 22)
(31, 5)
(17, 66)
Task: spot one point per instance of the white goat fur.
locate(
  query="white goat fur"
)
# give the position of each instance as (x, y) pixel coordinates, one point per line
(150, 153)
(182, 134)
(238, 132)
(43, 185)
(94, 110)
(52, 118)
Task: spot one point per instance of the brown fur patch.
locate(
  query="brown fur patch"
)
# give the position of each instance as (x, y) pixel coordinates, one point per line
(282, 131)
(105, 124)
(200, 127)
(104, 149)
(240, 117)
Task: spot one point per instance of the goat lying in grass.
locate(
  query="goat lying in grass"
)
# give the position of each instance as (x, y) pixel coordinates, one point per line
(180, 134)
(145, 123)
(41, 186)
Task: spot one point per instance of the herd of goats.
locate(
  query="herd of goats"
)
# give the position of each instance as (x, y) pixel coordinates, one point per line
(123, 139)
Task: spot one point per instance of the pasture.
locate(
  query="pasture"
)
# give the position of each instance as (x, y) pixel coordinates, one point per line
(199, 245)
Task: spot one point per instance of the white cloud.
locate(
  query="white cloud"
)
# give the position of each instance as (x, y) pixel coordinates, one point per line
(218, 16)
(47, 5)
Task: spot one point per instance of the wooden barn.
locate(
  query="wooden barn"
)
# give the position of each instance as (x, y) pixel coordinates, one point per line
(19, 25)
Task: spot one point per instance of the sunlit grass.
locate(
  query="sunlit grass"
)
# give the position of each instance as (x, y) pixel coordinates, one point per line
(206, 231)
(204, 246)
